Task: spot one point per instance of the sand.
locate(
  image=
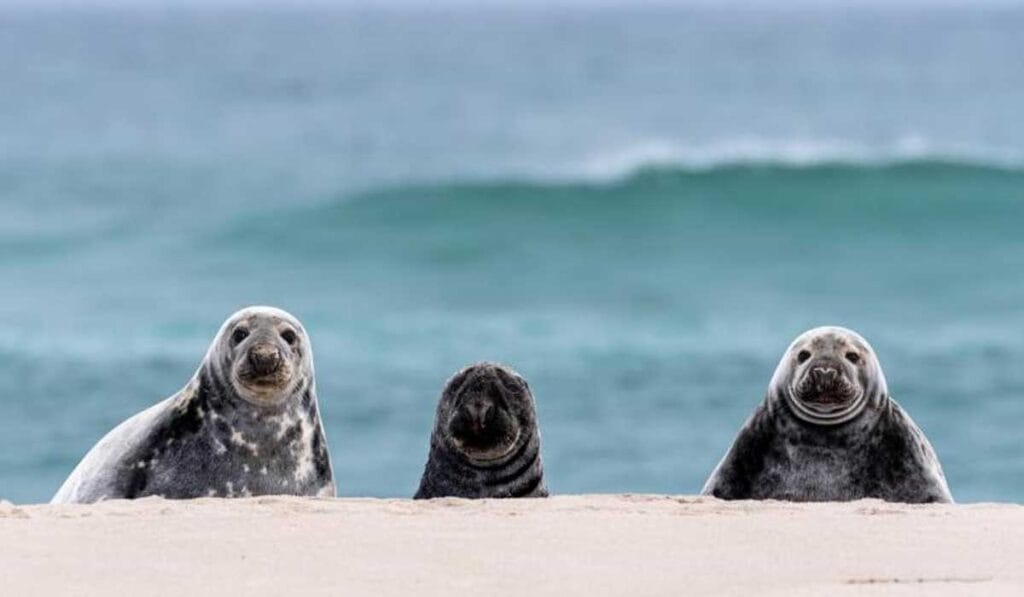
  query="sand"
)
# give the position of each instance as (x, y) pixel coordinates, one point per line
(572, 545)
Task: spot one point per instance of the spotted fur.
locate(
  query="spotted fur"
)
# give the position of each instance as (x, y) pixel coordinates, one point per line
(210, 440)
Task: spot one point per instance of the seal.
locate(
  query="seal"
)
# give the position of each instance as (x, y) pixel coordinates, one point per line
(485, 442)
(247, 423)
(828, 430)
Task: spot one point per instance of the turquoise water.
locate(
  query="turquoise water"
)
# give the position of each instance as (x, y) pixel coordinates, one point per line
(638, 210)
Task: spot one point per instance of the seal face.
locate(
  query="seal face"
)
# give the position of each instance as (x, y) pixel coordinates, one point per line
(828, 430)
(828, 376)
(246, 424)
(485, 441)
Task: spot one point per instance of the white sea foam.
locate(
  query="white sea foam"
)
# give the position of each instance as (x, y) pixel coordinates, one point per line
(606, 166)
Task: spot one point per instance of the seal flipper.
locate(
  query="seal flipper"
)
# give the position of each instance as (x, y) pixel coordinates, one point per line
(178, 423)
(734, 477)
(904, 466)
(100, 474)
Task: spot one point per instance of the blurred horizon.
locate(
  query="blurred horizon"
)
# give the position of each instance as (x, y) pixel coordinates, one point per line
(636, 208)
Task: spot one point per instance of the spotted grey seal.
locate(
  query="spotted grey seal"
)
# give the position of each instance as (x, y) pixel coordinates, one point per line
(829, 431)
(246, 424)
(485, 442)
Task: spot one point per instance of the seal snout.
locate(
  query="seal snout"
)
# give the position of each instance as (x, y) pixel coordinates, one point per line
(481, 425)
(475, 418)
(478, 413)
(481, 410)
(265, 359)
(825, 377)
(825, 382)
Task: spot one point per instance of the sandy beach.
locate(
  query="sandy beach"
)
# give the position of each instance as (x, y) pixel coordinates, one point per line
(631, 544)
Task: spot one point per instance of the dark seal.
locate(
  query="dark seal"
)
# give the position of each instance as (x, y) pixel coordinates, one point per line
(485, 442)
(829, 431)
(246, 424)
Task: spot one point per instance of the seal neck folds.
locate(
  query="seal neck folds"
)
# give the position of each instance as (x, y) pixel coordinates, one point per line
(821, 414)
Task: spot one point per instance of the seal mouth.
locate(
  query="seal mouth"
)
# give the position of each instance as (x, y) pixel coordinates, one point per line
(263, 377)
(266, 382)
(825, 385)
(483, 431)
(279, 378)
(825, 395)
(263, 389)
(487, 456)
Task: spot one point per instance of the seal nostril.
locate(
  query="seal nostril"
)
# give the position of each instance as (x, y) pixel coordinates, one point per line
(477, 413)
(265, 359)
(823, 377)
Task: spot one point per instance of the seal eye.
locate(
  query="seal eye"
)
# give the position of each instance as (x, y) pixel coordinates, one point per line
(803, 356)
(239, 335)
(853, 357)
(290, 337)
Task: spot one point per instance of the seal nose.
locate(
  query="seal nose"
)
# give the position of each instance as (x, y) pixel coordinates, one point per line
(477, 412)
(265, 359)
(825, 376)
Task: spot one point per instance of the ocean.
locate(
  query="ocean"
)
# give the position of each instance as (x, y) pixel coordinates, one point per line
(637, 209)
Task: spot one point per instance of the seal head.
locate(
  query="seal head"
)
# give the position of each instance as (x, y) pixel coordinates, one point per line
(262, 354)
(485, 409)
(485, 441)
(828, 376)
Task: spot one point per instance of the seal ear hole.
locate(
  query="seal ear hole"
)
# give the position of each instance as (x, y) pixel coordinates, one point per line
(238, 335)
(853, 357)
(803, 355)
(290, 337)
